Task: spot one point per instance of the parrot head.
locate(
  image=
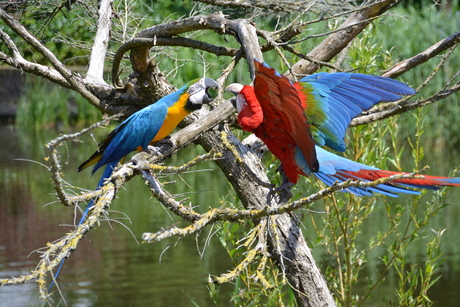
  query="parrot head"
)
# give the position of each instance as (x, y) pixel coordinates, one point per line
(198, 92)
(250, 114)
(235, 89)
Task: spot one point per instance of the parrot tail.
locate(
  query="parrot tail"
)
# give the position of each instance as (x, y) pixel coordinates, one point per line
(334, 168)
(107, 173)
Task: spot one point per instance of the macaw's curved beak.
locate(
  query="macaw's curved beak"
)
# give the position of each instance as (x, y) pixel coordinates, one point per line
(235, 89)
(208, 83)
(199, 92)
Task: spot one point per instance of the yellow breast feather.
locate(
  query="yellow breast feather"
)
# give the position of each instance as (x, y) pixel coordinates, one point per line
(176, 113)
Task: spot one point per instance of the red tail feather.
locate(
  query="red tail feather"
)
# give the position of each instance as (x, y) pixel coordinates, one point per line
(425, 181)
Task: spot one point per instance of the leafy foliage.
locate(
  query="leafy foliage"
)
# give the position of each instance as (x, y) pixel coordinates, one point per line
(342, 236)
(46, 105)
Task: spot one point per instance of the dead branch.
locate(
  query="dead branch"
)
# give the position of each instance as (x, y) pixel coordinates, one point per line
(163, 34)
(235, 215)
(405, 106)
(56, 252)
(54, 160)
(76, 83)
(334, 43)
(101, 42)
(279, 6)
(406, 65)
(100, 95)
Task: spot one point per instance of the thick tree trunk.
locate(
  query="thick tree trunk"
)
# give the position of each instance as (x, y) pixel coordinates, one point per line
(287, 244)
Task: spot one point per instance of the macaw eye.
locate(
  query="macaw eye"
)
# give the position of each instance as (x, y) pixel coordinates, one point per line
(195, 88)
(240, 103)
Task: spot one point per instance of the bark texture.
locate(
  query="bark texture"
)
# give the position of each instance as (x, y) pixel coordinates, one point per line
(240, 161)
(288, 244)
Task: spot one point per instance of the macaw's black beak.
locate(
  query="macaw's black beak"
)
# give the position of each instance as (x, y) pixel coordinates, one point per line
(233, 102)
(209, 84)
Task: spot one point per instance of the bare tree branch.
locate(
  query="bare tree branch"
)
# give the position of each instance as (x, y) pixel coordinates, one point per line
(101, 41)
(334, 43)
(54, 160)
(404, 106)
(387, 110)
(279, 6)
(234, 215)
(424, 56)
(162, 35)
(16, 60)
(67, 74)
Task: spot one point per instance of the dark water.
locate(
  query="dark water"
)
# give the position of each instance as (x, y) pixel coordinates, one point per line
(110, 268)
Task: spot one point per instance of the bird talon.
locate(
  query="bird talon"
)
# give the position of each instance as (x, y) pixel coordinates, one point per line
(284, 190)
(284, 187)
(154, 149)
(166, 140)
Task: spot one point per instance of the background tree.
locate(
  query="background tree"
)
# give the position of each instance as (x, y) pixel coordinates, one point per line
(144, 59)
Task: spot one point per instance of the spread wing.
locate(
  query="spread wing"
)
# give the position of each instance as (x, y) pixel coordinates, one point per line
(332, 100)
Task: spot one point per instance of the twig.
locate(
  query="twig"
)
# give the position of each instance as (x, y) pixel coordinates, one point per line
(163, 196)
(243, 265)
(436, 69)
(54, 160)
(338, 40)
(231, 214)
(101, 41)
(404, 106)
(424, 56)
(34, 42)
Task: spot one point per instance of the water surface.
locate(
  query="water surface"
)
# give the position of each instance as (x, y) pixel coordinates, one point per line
(111, 267)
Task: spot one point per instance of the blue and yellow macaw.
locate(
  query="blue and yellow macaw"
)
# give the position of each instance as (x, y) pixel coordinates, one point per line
(145, 127)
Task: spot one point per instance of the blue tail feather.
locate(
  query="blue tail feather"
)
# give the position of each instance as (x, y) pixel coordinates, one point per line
(334, 168)
(107, 173)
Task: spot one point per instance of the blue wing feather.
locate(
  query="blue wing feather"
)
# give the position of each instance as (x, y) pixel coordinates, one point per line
(137, 130)
(332, 100)
(362, 88)
(386, 84)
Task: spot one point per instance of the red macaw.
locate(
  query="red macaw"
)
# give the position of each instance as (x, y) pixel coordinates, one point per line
(293, 119)
(145, 127)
